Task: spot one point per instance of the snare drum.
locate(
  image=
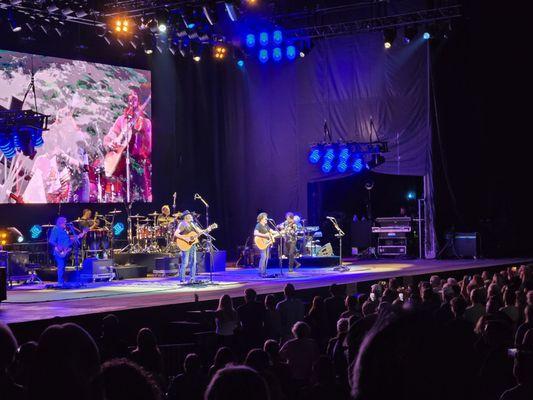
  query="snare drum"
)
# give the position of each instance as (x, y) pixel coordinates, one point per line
(144, 232)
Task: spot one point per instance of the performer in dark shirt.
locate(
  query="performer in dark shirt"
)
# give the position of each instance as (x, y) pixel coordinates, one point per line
(289, 227)
(61, 245)
(188, 258)
(86, 221)
(263, 231)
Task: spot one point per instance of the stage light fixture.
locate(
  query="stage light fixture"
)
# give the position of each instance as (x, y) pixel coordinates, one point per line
(197, 58)
(314, 156)
(411, 195)
(375, 161)
(162, 27)
(342, 166)
(357, 164)
(240, 63)
(277, 36)
(220, 51)
(329, 155)
(122, 25)
(250, 40)
(263, 55)
(426, 35)
(326, 167)
(263, 38)
(232, 11)
(409, 33)
(276, 54)
(210, 13)
(291, 52)
(388, 37)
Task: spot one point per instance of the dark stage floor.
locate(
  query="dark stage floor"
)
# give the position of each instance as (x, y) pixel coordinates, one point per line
(33, 303)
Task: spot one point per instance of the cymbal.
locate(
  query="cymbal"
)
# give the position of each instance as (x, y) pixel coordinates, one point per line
(137, 216)
(114, 212)
(178, 214)
(154, 214)
(75, 220)
(47, 226)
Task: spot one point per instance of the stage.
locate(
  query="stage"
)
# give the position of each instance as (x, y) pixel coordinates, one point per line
(26, 303)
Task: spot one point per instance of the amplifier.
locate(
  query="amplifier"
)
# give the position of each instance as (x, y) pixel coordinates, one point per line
(466, 244)
(166, 266)
(97, 269)
(218, 263)
(392, 250)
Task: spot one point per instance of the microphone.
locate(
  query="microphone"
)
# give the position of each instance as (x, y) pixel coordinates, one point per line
(196, 196)
(331, 218)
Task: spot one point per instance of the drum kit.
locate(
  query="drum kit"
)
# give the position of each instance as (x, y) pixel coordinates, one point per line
(98, 242)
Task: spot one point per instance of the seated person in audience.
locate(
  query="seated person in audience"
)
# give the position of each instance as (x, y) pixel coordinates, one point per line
(223, 357)
(522, 371)
(277, 366)
(191, 384)
(226, 321)
(258, 360)
(509, 307)
(334, 306)
(291, 310)
(272, 319)
(477, 307)
(351, 307)
(122, 379)
(237, 383)
(147, 354)
(336, 351)
(8, 347)
(323, 383)
(111, 344)
(523, 328)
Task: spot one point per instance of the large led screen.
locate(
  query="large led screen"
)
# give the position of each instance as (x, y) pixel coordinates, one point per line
(99, 118)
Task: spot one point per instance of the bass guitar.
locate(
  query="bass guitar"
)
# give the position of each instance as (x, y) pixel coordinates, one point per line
(188, 240)
(118, 145)
(60, 251)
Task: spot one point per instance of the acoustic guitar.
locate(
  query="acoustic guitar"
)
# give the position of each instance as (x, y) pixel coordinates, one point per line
(119, 144)
(263, 243)
(190, 239)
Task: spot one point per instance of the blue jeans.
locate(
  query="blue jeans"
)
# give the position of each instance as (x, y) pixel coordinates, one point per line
(263, 261)
(188, 258)
(61, 262)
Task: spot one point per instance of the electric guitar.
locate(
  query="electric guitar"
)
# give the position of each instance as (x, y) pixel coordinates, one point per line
(190, 239)
(60, 251)
(118, 145)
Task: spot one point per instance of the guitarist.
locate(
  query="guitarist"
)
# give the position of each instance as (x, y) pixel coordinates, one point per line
(140, 146)
(61, 245)
(263, 231)
(188, 257)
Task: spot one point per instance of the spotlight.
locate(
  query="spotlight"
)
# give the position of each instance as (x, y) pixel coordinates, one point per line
(326, 167)
(277, 36)
(314, 156)
(388, 37)
(291, 52)
(122, 25)
(409, 33)
(162, 27)
(411, 195)
(196, 49)
(263, 55)
(219, 51)
(250, 40)
(263, 38)
(329, 155)
(240, 63)
(357, 165)
(197, 58)
(426, 36)
(276, 54)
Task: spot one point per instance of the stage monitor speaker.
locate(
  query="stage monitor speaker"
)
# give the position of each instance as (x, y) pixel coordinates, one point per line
(325, 250)
(361, 234)
(16, 262)
(218, 264)
(3, 284)
(466, 244)
(94, 266)
(166, 266)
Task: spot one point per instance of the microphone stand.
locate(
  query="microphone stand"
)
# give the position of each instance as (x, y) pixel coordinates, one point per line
(211, 262)
(340, 233)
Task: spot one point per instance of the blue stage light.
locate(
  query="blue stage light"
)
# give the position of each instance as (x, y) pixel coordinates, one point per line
(263, 38)
(314, 156)
(357, 165)
(411, 195)
(240, 64)
(191, 25)
(344, 153)
(426, 35)
(118, 228)
(330, 155)
(277, 37)
(276, 54)
(250, 40)
(263, 55)
(342, 166)
(35, 231)
(326, 167)
(291, 52)
(7, 146)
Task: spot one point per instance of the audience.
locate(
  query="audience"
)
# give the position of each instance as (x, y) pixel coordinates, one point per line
(226, 321)
(291, 310)
(438, 339)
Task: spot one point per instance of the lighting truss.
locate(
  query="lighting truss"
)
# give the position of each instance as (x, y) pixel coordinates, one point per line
(377, 147)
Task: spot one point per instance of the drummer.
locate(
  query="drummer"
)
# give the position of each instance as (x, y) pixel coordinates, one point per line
(86, 222)
(165, 218)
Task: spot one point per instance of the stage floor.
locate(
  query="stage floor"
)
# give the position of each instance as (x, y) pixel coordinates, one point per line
(34, 302)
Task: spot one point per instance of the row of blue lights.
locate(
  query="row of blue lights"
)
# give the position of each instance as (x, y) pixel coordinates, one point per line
(277, 54)
(345, 160)
(264, 39)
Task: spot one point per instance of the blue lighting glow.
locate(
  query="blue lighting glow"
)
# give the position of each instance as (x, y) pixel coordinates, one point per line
(330, 155)
(411, 195)
(344, 154)
(426, 35)
(263, 38)
(250, 40)
(277, 37)
(240, 64)
(342, 166)
(263, 55)
(191, 25)
(118, 228)
(35, 231)
(326, 167)
(357, 165)
(7, 146)
(291, 52)
(314, 156)
(276, 54)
